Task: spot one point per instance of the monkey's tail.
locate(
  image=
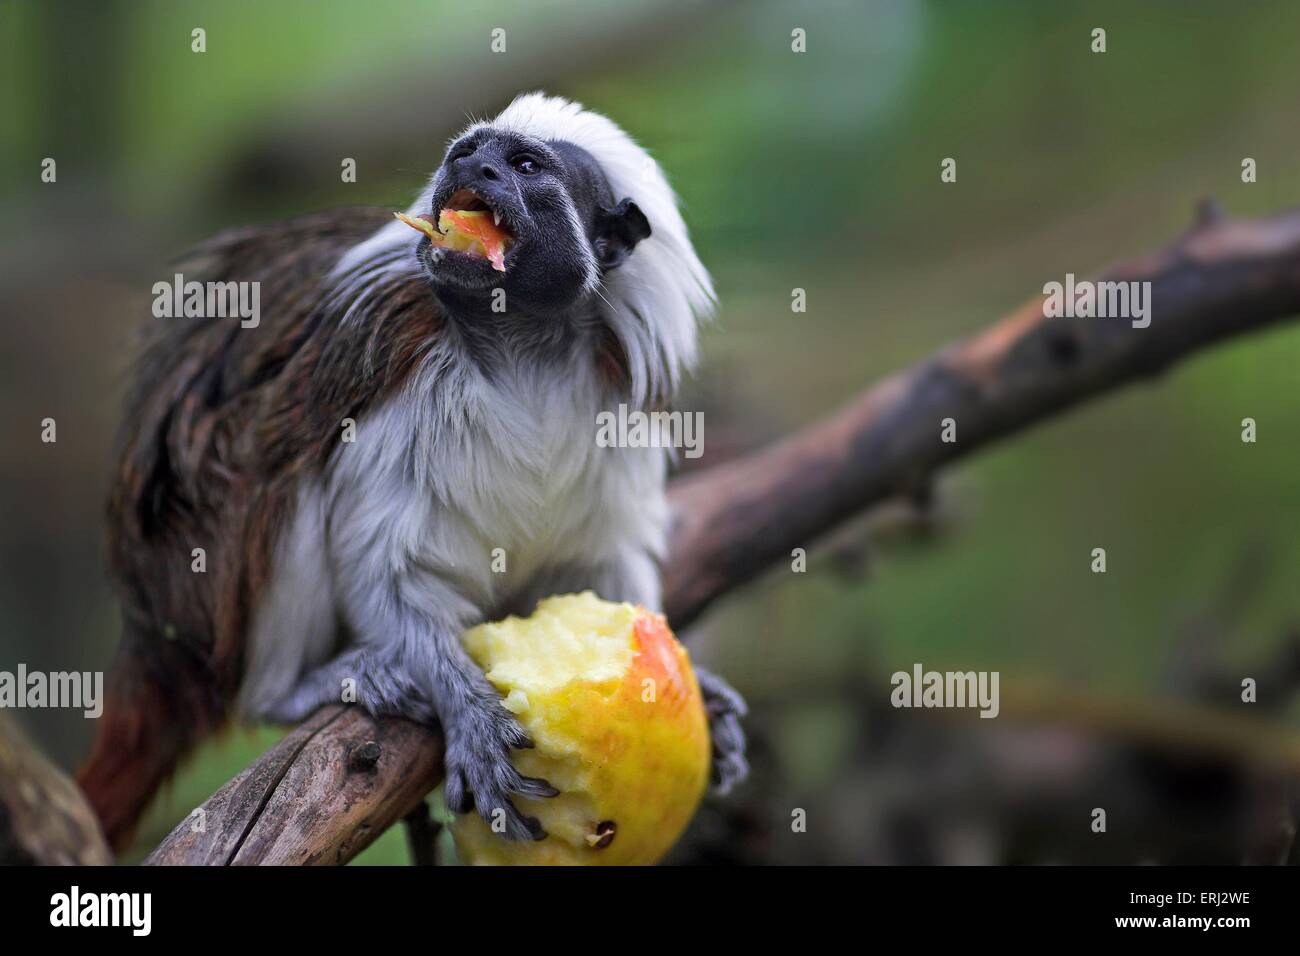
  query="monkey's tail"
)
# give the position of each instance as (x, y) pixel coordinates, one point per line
(159, 705)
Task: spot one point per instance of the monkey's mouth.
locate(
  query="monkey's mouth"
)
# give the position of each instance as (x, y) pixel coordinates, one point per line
(468, 227)
(472, 225)
(466, 200)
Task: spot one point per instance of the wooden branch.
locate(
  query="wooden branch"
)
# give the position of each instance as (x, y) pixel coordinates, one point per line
(733, 521)
(320, 796)
(44, 819)
(300, 803)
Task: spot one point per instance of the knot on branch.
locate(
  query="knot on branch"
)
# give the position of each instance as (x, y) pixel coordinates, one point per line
(364, 756)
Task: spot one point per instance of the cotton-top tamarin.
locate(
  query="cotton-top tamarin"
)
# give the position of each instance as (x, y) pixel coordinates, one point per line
(351, 465)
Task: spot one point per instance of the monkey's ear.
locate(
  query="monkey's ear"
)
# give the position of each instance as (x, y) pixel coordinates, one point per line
(618, 230)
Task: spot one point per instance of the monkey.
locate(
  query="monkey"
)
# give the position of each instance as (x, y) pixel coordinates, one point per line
(348, 465)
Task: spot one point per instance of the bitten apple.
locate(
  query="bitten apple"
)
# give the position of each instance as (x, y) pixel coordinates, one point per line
(610, 700)
(464, 230)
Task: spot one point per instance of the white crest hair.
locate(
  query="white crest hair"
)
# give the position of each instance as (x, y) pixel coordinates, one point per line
(653, 300)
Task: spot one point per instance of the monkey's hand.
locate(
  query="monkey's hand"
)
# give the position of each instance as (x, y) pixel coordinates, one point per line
(480, 734)
(725, 707)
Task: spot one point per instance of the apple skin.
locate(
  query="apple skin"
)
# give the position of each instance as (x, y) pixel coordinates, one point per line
(630, 755)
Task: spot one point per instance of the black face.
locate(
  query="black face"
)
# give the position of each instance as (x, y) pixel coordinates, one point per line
(552, 198)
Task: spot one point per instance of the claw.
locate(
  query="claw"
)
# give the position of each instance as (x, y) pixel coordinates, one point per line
(480, 774)
(535, 787)
(517, 826)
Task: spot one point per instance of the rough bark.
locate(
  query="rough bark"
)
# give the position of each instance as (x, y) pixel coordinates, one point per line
(320, 796)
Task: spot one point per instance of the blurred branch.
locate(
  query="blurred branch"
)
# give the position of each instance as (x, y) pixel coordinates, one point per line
(1222, 279)
(44, 819)
(301, 803)
(1165, 725)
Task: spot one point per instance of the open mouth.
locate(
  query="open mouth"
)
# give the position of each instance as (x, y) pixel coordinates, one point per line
(466, 200)
(469, 224)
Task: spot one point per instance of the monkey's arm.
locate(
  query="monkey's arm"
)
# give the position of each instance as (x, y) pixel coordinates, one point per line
(408, 661)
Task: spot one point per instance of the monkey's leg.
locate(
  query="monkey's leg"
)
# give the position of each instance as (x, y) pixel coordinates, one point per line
(425, 673)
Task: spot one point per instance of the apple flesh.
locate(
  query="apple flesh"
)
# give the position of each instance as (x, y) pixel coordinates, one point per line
(465, 230)
(609, 698)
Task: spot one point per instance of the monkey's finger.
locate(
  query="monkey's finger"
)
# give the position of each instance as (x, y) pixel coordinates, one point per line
(519, 740)
(535, 829)
(508, 731)
(505, 819)
(510, 780)
(729, 764)
(534, 787)
(719, 696)
(728, 772)
(455, 794)
(728, 735)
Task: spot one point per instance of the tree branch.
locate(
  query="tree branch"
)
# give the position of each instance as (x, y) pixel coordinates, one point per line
(1220, 280)
(300, 802)
(320, 796)
(44, 819)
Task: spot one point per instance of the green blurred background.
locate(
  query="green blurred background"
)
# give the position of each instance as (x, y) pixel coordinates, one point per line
(818, 171)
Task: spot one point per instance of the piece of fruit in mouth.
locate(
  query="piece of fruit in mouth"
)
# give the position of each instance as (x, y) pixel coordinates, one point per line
(473, 231)
(611, 703)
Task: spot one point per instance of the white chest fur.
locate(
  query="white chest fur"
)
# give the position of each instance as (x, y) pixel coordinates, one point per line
(456, 493)
(458, 469)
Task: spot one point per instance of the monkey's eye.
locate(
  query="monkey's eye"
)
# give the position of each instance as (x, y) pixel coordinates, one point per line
(525, 164)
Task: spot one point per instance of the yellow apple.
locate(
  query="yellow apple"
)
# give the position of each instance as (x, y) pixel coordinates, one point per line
(609, 698)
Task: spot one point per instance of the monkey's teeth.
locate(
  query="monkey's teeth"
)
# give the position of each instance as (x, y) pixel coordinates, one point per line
(496, 218)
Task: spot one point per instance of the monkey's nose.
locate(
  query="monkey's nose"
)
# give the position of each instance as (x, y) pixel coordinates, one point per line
(489, 172)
